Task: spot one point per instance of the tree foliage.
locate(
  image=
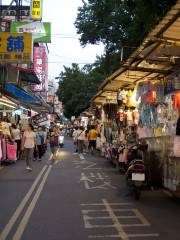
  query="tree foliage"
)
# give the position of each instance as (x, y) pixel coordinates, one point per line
(116, 24)
(77, 86)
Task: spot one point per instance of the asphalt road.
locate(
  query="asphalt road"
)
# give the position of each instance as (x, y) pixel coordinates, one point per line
(80, 198)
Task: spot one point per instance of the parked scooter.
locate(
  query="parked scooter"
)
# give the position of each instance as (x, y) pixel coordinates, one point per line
(61, 141)
(136, 172)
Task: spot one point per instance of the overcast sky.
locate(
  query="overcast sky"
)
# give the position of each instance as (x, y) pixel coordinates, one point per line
(65, 43)
(65, 47)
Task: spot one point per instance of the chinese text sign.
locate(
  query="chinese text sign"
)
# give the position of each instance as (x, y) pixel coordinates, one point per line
(15, 48)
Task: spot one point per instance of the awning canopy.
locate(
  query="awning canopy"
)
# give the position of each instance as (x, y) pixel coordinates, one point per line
(24, 75)
(156, 58)
(6, 102)
(21, 95)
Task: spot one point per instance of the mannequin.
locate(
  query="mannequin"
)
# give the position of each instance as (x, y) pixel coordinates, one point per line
(136, 116)
(129, 117)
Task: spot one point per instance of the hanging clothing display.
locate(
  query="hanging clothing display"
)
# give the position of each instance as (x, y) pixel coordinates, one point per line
(176, 100)
(178, 127)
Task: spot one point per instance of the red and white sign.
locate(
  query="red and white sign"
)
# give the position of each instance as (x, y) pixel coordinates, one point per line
(40, 68)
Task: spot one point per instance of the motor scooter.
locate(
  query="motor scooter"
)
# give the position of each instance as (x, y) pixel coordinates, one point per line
(136, 171)
(61, 141)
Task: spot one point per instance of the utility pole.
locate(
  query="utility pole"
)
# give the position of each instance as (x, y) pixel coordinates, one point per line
(18, 6)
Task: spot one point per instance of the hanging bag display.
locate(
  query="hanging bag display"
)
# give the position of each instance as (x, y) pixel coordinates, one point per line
(12, 151)
(176, 147)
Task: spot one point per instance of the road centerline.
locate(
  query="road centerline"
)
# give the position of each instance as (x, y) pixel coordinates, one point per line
(21, 206)
(29, 211)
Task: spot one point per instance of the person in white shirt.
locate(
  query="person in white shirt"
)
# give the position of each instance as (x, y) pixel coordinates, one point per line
(16, 136)
(75, 136)
(81, 139)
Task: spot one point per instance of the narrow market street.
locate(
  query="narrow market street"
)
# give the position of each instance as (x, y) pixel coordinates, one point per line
(77, 198)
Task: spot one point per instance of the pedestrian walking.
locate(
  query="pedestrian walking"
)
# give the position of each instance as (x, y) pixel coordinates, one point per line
(53, 141)
(92, 136)
(40, 139)
(86, 142)
(28, 144)
(16, 136)
(81, 139)
(45, 140)
(75, 137)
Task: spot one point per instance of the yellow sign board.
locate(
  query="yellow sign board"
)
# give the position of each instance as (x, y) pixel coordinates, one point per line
(36, 9)
(16, 47)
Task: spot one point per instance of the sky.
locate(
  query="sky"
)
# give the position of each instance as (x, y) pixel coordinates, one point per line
(65, 42)
(65, 46)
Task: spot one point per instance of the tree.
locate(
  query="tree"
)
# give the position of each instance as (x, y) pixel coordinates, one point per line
(76, 87)
(118, 22)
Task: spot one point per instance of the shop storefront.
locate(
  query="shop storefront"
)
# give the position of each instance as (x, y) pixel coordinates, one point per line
(144, 94)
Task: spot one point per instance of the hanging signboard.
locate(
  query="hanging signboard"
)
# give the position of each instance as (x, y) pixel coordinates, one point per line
(39, 118)
(15, 47)
(13, 11)
(40, 68)
(41, 31)
(36, 9)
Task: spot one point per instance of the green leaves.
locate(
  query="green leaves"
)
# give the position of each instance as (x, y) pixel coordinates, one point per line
(116, 24)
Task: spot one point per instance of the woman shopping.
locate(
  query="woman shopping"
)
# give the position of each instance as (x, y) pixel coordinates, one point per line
(16, 136)
(53, 141)
(28, 144)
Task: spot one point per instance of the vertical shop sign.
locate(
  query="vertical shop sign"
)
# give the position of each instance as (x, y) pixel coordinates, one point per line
(36, 9)
(40, 68)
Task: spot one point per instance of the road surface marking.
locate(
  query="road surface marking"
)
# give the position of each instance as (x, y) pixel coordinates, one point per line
(92, 182)
(129, 236)
(115, 214)
(21, 206)
(115, 220)
(101, 204)
(31, 207)
(108, 217)
(86, 181)
(144, 221)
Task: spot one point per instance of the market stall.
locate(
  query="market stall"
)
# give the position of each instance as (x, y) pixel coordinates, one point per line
(147, 87)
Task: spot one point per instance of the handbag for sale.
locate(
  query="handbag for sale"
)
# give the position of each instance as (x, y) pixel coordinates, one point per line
(12, 151)
(176, 148)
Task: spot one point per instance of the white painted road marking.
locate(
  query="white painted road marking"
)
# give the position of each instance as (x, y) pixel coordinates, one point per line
(115, 220)
(31, 207)
(21, 206)
(116, 214)
(94, 180)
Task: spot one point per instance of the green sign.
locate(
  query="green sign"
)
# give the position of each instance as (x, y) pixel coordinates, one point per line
(41, 31)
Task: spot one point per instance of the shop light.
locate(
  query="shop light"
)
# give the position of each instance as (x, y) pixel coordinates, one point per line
(7, 105)
(3, 101)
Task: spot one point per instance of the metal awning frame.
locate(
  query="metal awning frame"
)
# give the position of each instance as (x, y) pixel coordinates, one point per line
(149, 61)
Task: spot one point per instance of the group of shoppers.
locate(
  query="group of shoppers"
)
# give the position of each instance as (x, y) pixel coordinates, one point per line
(32, 145)
(36, 143)
(85, 140)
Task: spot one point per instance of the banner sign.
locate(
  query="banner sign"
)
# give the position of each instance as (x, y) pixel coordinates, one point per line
(40, 68)
(14, 11)
(36, 9)
(39, 118)
(15, 47)
(41, 31)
